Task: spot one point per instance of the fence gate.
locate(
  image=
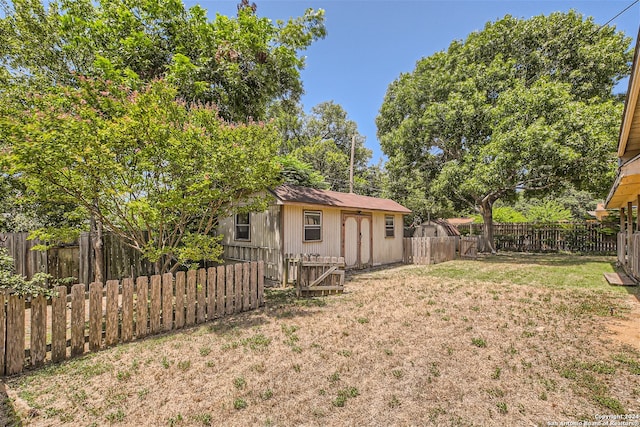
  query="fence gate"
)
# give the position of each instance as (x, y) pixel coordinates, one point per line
(315, 275)
(468, 247)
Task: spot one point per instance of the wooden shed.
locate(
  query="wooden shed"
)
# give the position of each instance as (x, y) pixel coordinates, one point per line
(435, 228)
(366, 231)
(625, 191)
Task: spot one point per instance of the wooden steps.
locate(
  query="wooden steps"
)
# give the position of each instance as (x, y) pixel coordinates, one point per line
(619, 279)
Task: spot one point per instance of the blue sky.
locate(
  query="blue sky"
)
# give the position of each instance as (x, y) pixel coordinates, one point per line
(369, 43)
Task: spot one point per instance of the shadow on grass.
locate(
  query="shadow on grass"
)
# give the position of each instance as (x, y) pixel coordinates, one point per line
(547, 259)
(8, 416)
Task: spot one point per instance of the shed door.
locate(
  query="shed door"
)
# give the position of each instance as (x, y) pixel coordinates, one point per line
(356, 247)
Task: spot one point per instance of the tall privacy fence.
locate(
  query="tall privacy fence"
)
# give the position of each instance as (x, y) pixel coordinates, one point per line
(77, 259)
(583, 237)
(35, 330)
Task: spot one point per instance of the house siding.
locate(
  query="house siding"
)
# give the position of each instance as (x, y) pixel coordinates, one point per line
(294, 231)
(387, 250)
(264, 244)
(279, 230)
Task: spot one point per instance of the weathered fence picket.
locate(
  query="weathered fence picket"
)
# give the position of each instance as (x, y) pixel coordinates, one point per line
(180, 290)
(59, 324)
(120, 312)
(127, 309)
(77, 319)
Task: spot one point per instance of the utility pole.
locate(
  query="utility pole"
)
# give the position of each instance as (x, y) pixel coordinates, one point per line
(353, 152)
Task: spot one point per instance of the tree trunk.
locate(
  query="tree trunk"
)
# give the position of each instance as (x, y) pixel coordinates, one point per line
(486, 209)
(96, 240)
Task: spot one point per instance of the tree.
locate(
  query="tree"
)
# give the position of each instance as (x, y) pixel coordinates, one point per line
(154, 170)
(240, 64)
(523, 106)
(297, 172)
(569, 205)
(323, 139)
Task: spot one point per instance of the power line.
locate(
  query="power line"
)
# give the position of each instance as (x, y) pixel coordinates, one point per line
(619, 13)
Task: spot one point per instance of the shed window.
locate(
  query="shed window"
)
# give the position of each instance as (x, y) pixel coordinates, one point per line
(243, 226)
(312, 226)
(389, 226)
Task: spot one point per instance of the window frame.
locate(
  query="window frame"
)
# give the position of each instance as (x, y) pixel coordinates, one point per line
(237, 224)
(306, 226)
(391, 228)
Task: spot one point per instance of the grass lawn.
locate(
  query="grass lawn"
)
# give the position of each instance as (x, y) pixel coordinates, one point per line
(506, 340)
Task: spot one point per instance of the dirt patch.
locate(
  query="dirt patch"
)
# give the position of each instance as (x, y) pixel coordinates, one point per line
(626, 329)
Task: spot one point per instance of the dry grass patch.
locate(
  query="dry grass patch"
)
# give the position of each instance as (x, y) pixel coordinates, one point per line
(508, 340)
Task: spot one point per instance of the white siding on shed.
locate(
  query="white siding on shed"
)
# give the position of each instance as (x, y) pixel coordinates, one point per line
(387, 250)
(293, 231)
(265, 242)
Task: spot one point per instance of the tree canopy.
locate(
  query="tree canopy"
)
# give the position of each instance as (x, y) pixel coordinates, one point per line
(141, 116)
(323, 139)
(523, 106)
(240, 64)
(154, 170)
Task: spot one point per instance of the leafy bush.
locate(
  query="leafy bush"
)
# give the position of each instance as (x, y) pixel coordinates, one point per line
(18, 284)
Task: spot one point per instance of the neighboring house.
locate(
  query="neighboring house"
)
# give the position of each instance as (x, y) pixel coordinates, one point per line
(625, 192)
(367, 231)
(599, 213)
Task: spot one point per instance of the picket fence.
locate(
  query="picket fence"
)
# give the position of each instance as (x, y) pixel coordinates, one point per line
(35, 330)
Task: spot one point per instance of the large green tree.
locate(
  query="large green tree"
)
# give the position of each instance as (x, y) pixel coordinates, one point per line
(521, 106)
(241, 64)
(154, 170)
(235, 66)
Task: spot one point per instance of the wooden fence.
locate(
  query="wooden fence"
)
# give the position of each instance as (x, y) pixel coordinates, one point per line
(429, 250)
(314, 275)
(272, 259)
(629, 254)
(77, 259)
(583, 237)
(35, 330)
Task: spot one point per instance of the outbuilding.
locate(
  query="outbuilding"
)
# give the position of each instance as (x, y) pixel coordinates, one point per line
(366, 231)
